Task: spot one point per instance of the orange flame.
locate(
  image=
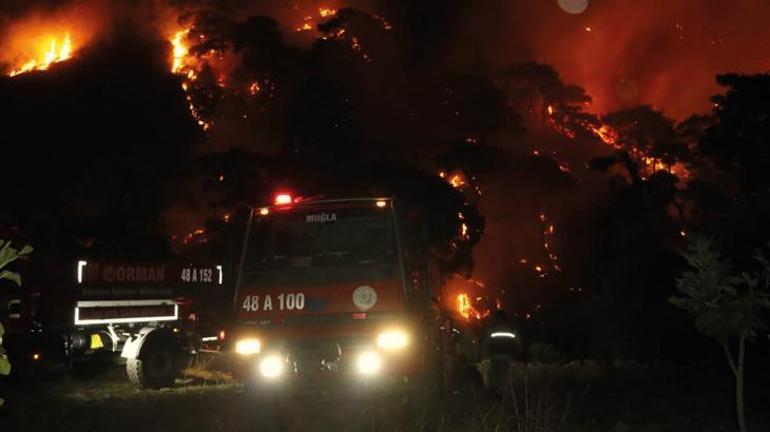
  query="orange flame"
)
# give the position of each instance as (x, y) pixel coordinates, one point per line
(325, 12)
(50, 50)
(187, 66)
(464, 305)
(181, 50)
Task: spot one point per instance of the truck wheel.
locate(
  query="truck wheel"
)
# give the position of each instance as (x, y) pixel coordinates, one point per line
(156, 367)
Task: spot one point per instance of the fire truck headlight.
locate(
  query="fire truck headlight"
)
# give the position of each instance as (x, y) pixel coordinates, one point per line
(272, 366)
(248, 346)
(392, 340)
(369, 363)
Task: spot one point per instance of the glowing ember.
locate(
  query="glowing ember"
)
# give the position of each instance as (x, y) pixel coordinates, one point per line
(326, 12)
(457, 181)
(308, 23)
(607, 135)
(50, 50)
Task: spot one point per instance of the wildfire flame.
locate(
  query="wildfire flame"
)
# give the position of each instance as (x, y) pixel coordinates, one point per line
(186, 65)
(325, 12)
(51, 49)
(180, 51)
(308, 23)
(465, 307)
(470, 298)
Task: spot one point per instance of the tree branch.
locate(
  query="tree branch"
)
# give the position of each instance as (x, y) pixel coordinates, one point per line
(726, 347)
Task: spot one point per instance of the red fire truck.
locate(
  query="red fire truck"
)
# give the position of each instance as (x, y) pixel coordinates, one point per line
(152, 314)
(336, 294)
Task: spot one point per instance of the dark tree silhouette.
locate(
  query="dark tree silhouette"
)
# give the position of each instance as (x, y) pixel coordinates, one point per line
(740, 137)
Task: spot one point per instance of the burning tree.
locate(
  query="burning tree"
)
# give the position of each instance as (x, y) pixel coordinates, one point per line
(538, 91)
(725, 306)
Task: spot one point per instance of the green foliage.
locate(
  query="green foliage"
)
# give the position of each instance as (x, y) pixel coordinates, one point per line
(8, 255)
(723, 304)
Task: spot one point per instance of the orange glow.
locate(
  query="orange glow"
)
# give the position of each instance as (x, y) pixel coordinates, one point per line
(464, 306)
(607, 135)
(467, 297)
(649, 165)
(456, 179)
(46, 51)
(550, 109)
(186, 66)
(308, 23)
(180, 51)
(42, 38)
(326, 12)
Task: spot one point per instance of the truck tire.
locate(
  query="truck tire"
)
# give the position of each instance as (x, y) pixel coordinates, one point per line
(156, 367)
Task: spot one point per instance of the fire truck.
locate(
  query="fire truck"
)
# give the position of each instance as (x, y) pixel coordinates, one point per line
(155, 314)
(337, 295)
(152, 316)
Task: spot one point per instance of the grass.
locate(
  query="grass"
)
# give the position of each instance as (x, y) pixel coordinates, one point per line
(574, 397)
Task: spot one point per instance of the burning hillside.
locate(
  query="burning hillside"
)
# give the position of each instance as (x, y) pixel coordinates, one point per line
(38, 40)
(43, 53)
(319, 80)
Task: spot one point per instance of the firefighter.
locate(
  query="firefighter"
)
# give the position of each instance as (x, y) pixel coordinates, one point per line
(5, 365)
(501, 346)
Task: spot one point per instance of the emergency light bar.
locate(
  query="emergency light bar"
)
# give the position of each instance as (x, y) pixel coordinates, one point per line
(283, 199)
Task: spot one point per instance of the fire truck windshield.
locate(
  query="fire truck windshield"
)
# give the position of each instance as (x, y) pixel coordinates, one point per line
(315, 245)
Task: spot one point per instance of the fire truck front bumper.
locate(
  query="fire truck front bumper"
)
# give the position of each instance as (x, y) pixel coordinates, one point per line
(314, 371)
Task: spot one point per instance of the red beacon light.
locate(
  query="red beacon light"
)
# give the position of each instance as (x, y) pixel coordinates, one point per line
(283, 199)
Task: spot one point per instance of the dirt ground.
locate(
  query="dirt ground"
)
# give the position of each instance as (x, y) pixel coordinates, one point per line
(573, 397)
